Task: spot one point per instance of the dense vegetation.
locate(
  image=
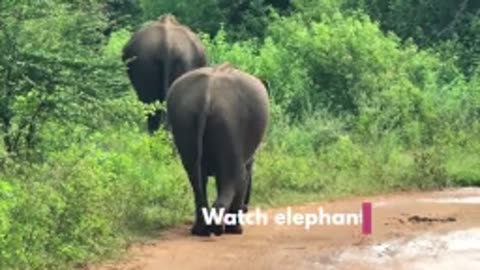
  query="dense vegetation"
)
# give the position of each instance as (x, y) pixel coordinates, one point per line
(366, 96)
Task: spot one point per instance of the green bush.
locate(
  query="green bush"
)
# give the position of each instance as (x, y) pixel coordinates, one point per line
(82, 200)
(347, 66)
(243, 18)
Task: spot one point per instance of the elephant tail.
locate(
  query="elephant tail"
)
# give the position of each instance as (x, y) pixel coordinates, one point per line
(201, 124)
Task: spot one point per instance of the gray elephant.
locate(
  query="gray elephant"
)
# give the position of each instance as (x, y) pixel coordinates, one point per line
(218, 117)
(156, 55)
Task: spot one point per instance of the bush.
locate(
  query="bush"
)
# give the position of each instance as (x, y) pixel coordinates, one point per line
(83, 200)
(243, 18)
(347, 66)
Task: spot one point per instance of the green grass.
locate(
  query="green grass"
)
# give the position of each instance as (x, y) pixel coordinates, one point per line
(464, 169)
(89, 201)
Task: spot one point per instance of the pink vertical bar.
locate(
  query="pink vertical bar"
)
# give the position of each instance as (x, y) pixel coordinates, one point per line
(367, 217)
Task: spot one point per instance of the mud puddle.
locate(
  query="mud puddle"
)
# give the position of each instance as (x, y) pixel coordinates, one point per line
(453, 250)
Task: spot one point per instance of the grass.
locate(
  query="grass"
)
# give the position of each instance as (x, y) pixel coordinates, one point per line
(91, 200)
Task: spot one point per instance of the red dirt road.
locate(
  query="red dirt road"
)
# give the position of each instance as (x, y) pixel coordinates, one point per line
(436, 230)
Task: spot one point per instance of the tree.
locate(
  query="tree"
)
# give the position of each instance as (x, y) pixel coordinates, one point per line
(432, 23)
(51, 68)
(241, 18)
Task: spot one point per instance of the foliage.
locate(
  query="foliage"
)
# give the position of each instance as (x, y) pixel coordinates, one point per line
(121, 14)
(242, 17)
(431, 22)
(347, 66)
(80, 200)
(365, 97)
(54, 74)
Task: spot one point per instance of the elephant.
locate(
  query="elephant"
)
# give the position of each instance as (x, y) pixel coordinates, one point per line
(218, 117)
(156, 55)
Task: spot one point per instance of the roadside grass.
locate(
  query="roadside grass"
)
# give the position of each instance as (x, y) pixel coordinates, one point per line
(91, 200)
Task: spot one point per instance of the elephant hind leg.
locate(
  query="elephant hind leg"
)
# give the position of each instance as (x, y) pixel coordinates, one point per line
(153, 122)
(238, 203)
(148, 80)
(241, 201)
(200, 227)
(231, 187)
(249, 178)
(156, 121)
(186, 144)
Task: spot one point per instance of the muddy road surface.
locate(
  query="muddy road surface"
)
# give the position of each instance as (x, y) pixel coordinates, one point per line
(435, 230)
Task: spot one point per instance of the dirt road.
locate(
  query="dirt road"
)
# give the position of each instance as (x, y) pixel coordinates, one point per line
(437, 230)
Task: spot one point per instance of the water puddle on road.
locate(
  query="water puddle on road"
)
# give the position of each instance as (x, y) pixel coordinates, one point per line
(453, 250)
(459, 249)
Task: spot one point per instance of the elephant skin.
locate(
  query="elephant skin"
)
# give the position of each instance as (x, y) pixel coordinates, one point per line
(218, 117)
(156, 55)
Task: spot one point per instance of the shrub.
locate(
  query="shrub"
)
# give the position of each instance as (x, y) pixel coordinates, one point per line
(83, 200)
